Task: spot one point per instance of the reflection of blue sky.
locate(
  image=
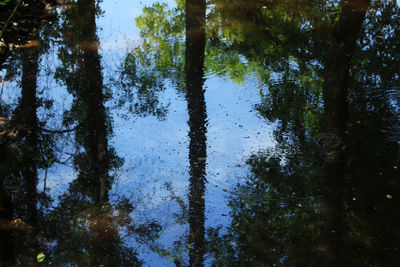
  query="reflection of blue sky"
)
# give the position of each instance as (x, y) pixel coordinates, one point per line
(118, 22)
(156, 152)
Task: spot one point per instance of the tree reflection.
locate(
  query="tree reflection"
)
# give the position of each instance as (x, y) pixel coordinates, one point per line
(26, 147)
(335, 88)
(321, 191)
(164, 53)
(85, 213)
(26, 117)
(194, 72)
(326, 194)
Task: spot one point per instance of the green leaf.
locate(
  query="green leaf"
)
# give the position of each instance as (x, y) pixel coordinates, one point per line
(40, 257)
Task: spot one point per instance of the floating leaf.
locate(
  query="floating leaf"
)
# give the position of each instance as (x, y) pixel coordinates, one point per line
(40, 257)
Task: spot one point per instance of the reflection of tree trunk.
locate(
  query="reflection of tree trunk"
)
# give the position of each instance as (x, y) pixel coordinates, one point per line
(27, 122)
(7, 253)
(7, 245)
(95, 138)
(345, 34)
(194, 65)
(28, 118)
(93, 130)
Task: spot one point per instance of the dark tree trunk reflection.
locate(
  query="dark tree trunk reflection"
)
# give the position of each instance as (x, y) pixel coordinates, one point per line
(27, 118)
(26, 126)
(7, 251)
(23, 140)
(343, 42)
(95, 139)
(194, 70)
(93, 133)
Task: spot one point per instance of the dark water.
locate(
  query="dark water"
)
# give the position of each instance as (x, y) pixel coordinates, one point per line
(218, 133)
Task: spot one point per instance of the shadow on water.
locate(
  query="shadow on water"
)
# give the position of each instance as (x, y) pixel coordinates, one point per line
(324, 193)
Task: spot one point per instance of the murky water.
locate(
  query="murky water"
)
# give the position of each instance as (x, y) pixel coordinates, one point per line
(199, 133)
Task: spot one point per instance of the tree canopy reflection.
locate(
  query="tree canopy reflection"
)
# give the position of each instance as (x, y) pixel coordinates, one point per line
(325, 194)
(278, 216)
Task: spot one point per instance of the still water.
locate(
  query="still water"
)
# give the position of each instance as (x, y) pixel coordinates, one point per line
(199, 133)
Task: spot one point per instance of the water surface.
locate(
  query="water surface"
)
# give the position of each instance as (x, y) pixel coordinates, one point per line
(199, 133)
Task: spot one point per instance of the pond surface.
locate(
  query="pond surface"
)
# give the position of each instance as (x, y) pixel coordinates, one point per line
(199, 133)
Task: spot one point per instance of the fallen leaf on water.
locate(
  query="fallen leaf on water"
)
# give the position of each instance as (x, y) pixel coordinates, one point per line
(40, 257)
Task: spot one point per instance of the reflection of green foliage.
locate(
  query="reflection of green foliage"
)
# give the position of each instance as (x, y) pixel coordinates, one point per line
(273, 218)
(238, 43)
(141, 85)
(293, 95)
(146, 67)
(265, 36)
(162, 31)
(275, 215)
